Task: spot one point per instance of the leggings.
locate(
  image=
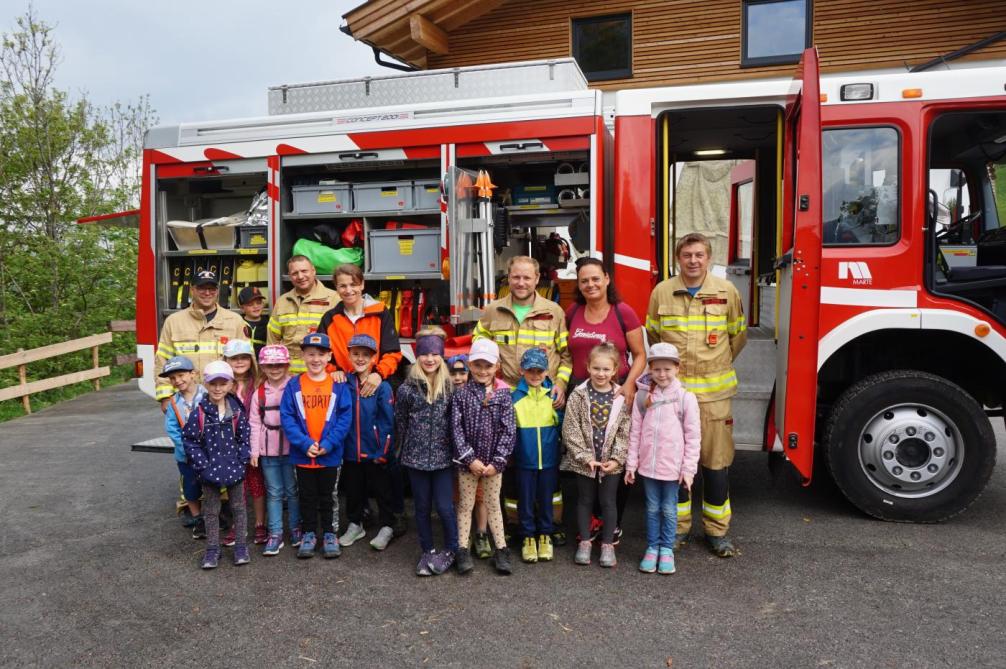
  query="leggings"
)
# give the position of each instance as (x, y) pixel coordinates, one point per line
(588, 489)
(469, 484)
(433, 489)
(211, 513)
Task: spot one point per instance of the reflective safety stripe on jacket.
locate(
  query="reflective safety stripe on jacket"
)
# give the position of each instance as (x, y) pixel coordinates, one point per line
(187, 333)
(709, 330)
(295, 316)
(543, 327)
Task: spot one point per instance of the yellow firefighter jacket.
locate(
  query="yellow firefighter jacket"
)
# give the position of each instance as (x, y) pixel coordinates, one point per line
(544, 327)
(296, 316)
(187, 333)
(709, 330)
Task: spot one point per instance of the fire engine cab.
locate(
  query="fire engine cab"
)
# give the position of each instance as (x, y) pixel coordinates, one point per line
(861, 227)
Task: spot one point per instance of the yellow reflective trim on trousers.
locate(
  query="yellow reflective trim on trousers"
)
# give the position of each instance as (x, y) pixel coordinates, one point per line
(710, 384)
(684, 509)
(719, 512)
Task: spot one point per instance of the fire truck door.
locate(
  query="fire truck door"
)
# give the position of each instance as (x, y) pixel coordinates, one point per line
(798, 265)
(472, 257)
(741, 251)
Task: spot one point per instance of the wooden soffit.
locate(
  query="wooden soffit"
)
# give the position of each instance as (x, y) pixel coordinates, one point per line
(410, 29)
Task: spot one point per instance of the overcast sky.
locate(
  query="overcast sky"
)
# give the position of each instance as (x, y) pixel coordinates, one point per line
(198, 60)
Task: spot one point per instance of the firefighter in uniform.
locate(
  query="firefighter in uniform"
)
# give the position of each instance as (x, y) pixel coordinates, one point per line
(198, 332)
(297, 312)
(703, 316)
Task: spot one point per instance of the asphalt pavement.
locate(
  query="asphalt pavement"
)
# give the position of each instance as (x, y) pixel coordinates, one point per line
(95, 570)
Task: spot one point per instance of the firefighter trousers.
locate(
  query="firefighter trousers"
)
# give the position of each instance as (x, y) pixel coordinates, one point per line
(717, 454)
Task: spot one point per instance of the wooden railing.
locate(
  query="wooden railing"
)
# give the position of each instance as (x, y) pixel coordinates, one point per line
(22, 358)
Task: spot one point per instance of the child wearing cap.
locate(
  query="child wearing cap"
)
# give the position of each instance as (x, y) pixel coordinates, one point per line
(483, 430)
(316, 413)
(457, 365)
(238, 353)
(252, 302)
(270, 449)
(536, 455)
(367, 450)
(181, 374)
(216, 439)
(664, 444)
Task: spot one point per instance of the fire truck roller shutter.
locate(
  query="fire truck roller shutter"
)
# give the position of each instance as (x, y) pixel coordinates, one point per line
(910, 446)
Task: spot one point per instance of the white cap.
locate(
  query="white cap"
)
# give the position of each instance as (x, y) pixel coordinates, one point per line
(218, 369)
(236, 347)
(484, 349)
(663, 351)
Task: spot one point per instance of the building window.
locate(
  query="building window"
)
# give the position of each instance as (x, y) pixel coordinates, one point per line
(602, 46)
(774, 32)
(861, 186)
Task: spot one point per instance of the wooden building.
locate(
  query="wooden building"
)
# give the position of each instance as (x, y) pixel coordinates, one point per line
(624, 44)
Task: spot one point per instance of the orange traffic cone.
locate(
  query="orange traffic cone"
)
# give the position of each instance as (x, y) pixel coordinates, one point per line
(485, 185)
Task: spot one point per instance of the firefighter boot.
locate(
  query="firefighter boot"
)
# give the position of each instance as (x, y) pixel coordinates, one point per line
(716, 511)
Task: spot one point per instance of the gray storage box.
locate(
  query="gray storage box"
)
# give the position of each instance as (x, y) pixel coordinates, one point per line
(426, 194)
(403, 252)
(321, 199)
(382, 196)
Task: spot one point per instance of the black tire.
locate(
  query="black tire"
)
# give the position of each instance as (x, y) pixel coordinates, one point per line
(872, 449)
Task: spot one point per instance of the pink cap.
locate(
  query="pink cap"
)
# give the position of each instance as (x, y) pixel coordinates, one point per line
(484, 349)
(274, 354)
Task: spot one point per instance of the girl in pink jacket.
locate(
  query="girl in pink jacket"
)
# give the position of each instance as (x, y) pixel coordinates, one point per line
(664, 450)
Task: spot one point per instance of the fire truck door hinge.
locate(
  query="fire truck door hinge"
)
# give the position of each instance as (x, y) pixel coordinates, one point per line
(791, 440)
(804, 202)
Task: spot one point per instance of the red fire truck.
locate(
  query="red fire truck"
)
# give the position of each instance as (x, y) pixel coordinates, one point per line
(864, 235)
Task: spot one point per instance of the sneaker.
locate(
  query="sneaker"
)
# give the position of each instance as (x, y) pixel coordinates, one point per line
(401, 525)
(296, 536)
(423, 566)
(648, 564)
(241, 556)
(211, 558)
(441, 561)
(666, 564)
(330, 546)
(607, 558)
(617, 536)
(680, 540)
(383, 538)
(199, 528)
(229, 538)
(721, 546)
(529, 553)
(559, 537)
(582, 553)
(596, 524)
(463, 561)
(307, 545)
(353, 533)
(545, 548)
(273, 545)
(501, 560)
(261, 536)
(483, 549)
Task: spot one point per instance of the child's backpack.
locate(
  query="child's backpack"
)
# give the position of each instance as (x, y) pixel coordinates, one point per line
(202, 419)
(643, 396)
(262, 408)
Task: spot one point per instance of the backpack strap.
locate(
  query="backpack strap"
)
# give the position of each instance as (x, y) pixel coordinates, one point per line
(261, 401)
(178, 413)
(621, 321)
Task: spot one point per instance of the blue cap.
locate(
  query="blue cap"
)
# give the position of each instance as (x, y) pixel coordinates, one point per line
(363, 341)
(179, 363)
(452, 362)
(534, 358)
(318, 340)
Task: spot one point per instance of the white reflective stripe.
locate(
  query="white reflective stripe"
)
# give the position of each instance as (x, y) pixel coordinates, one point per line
(684, 508)
(635, 263)
(714, 511)
(869, 297)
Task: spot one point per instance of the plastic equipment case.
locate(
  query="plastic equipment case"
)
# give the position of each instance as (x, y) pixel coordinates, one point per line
(191, 236)
(426, 194)
(404, 252)
(382, 196)
(253, 236)
(321, 199)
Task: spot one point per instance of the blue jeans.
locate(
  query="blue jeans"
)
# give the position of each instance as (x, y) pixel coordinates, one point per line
(661, 512)
(435, 488)
(280, 482)
(536, 486)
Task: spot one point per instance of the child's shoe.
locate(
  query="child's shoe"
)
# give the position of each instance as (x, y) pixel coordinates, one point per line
(607, 558)
(483, 549)
(530, 551)
(666, 564)
(296, 536)
(383, 538)
(463, 561)
(616, 536)
(229, 538)
(649, 562)
(401, 525)
(211, 558)
(261, 536)
(199, 528)
(423, 566)
(501, 560)
(330, 546)
(441, 561)
(353, 533)
(559, 537)
(544, 548)
(582, 553)
(307, 545)
(273, 545)
(241, 555)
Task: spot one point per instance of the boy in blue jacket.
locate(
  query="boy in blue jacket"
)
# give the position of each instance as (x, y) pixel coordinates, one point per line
(180, 373)
(536, 455)
(367, 450)
(315, 413)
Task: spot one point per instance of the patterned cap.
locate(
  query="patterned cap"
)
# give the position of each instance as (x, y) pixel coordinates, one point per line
(179, 363)
(236, 347)
(218, 369)
(318, 340)
(274, 354)
(534, 358)
(206, 277)
(363, 341)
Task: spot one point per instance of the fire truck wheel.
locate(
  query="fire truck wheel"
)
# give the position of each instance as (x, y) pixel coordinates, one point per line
(909, 446)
